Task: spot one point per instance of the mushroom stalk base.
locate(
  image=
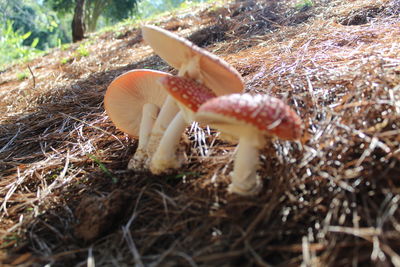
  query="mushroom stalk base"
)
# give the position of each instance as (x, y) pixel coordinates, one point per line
(192, 69)
(245, 180)
(149, 116)
(165, 156)
(167, 113)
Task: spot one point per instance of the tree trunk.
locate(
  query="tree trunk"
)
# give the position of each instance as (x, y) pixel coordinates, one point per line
(78, 25)
(93, 12)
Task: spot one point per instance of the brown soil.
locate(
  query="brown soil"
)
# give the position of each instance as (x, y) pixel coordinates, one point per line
(331, 199)
(97, 216)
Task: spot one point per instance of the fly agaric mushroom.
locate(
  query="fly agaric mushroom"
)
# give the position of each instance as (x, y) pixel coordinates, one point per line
(192, 62)
(189, 95)
(132, 102)
(251, 119)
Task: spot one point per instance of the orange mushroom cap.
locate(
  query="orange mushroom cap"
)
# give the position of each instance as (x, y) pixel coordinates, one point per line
(127, 94)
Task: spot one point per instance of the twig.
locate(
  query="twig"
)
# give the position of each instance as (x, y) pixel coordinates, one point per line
(33, 77)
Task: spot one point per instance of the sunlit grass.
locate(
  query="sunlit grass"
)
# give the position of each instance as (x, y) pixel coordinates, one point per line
(22, 75)
(141, 17)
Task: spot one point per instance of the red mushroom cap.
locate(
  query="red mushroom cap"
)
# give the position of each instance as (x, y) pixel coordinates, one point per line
(267, 114)
(187, 92)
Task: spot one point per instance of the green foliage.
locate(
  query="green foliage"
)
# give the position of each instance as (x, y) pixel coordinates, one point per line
(26, 27)
(64, 47)
(103, 168)
(12, 44)
(9, 239)
(119, 10)
(82, 51)
(29, 16)
(64, 60)
(62, 7)
(35, 42)
(304, 4)
(22, 75)
(112, 11)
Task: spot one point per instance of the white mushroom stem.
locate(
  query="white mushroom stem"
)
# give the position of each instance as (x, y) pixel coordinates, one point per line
(166, 115)
(169, 110)
(149, 116)
(192, 69)
(245, 180)
(165, 156)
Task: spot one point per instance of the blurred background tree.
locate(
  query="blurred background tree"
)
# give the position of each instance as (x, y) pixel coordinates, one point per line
(30, 16)
(30, 26)
(112, 10)
(78, 26)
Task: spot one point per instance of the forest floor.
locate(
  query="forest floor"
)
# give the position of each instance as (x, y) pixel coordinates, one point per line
(66, 198)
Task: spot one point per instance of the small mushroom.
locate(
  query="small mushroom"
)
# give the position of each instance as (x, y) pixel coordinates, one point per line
(132, 101)
(192, 62)
(251, 119)
(189, 95)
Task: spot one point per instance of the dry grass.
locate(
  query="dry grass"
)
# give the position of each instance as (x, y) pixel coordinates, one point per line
(331, 199)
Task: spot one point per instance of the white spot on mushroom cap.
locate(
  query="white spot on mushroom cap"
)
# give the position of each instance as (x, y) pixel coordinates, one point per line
(187, 91)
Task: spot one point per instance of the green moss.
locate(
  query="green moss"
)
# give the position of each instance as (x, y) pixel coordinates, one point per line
(22, 75)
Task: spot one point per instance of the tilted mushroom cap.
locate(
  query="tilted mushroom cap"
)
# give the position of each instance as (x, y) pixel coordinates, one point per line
(199, 64)
(127, 94)
(188, 94)
(263, 113)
